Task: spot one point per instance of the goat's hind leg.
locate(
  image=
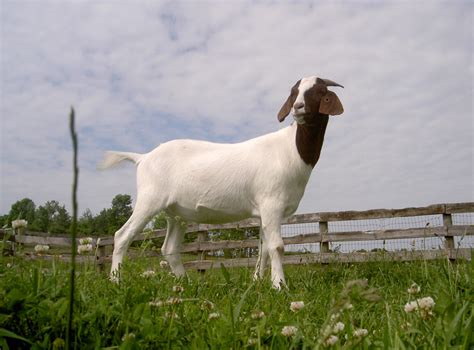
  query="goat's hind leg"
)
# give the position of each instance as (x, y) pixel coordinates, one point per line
(171, 248)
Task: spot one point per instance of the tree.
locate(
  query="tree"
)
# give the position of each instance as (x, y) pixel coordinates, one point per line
(85, 224)
(22, 209)
(120, 212)
(52, 217)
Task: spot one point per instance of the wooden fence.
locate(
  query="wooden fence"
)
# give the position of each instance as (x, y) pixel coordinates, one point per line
(323, 237)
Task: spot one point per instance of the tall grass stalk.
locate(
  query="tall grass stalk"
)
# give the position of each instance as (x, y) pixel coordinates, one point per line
(73, 230)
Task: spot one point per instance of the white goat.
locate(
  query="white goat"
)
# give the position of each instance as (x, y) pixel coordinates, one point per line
(206, 182)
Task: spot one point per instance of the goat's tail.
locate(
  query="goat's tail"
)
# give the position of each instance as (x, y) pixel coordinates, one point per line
(112, 158)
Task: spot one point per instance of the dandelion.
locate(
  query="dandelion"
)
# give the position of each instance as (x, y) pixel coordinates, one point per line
(257, 315)
(9, 265)
(19, 224)
(41, 248)
(414, 289)
(84, 241)
(289, 331)
(178, 289)
(296, 306)
(360, 332)
(331, 340)
(214, 316)
(207, 305)
(84, 248)
(164, 264)
(338, 327)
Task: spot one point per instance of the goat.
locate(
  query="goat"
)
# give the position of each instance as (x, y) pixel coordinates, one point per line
(203, 182)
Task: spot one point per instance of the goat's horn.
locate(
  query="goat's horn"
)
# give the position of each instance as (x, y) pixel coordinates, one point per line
(328, 82)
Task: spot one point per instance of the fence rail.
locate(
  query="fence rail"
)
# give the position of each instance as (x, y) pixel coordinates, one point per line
(322, 237)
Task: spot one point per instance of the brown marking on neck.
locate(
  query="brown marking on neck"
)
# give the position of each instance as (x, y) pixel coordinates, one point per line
(310, 138)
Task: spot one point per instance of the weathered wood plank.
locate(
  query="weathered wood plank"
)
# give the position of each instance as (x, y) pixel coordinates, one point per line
(458, 208)
(464, 253)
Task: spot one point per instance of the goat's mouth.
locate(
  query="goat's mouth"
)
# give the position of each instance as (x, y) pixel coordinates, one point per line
(299, 117)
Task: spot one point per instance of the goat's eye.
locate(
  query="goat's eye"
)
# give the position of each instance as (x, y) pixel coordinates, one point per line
(326, 99)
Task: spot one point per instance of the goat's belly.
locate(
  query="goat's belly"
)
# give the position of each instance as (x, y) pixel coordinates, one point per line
(206, 215)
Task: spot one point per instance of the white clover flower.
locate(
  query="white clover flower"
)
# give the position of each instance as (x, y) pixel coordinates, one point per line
(414, 289)
(296, 305)
(360, 332)
(257, 315)
(164, 264)
(214, 316)
(84, 248)
(252, 341)
(338, 327)
(41, 248)
(423, 305)
(174, 301)
(19, 224)
(289, 331)
(348, 306)
(148, 273)
(156, 303)
(426, 303)
(410, 307)
(87, 240)
(9, 265)
(331, 340)
(178, 289)
(128, 336)
(207, 305)
(172, 315)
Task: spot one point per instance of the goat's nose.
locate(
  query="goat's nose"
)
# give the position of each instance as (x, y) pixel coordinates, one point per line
(298, 105)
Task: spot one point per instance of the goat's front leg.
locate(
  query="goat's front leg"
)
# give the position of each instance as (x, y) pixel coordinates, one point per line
(171, 248)
(262, 259)
(271, 229)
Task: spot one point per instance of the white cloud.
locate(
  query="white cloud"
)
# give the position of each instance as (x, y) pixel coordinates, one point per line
(141, 73)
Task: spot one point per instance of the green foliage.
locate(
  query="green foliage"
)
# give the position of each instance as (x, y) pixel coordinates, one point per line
(159, 221)
(226, 309)
(52, 218)
(22, 209)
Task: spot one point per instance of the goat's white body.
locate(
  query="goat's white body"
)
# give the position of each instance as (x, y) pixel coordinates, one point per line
(205, 182)
(208, 182)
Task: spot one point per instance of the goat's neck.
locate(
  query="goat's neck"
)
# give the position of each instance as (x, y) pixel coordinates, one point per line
(310, 138)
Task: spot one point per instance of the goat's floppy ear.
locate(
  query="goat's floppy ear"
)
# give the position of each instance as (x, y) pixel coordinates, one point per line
(286, 108)
(330, 104)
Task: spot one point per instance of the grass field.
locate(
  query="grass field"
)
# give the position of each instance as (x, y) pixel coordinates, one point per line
(360, 306)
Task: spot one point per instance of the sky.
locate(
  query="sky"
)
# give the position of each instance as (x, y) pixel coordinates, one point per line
(140, 73)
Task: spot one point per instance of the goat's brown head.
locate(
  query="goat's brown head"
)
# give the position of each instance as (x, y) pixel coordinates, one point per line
(310, 98)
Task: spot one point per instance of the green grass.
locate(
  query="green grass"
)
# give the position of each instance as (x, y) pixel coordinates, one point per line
(218, 309)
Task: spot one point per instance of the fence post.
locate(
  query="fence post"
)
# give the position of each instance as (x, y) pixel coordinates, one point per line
(202, 236)
(323, 230)
(100, 256)
(449, 240)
